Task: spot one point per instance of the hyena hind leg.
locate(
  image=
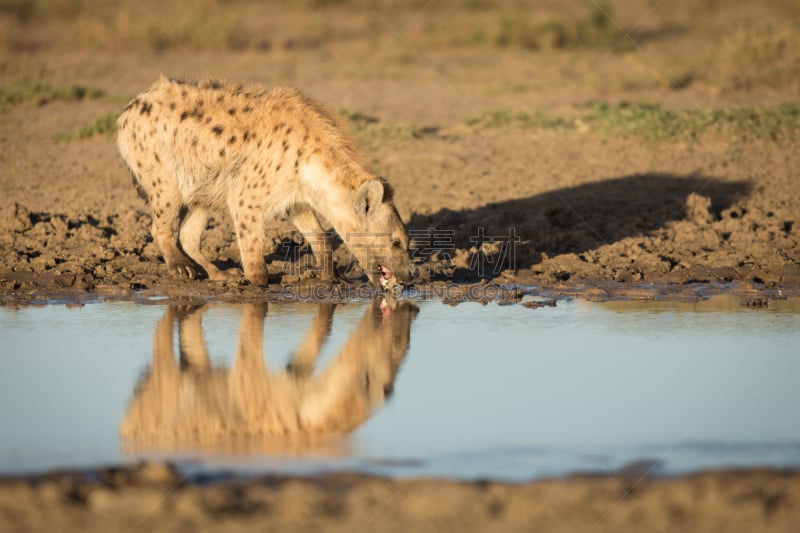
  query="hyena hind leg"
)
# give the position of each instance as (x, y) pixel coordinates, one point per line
(166, 213)
(192, 228)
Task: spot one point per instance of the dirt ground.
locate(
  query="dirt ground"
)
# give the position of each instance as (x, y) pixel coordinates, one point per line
(557, 208)
(551, 204)
(153, 498)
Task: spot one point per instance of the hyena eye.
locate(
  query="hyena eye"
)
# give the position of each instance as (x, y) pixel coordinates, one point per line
(397, 244)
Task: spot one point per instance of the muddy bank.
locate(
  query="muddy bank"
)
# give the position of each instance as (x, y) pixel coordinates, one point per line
(474, 216)
(157, 498)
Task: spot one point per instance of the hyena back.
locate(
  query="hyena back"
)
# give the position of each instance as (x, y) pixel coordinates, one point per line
(200, 148)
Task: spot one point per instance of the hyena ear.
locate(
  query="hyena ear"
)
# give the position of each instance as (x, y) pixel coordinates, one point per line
(368, 196)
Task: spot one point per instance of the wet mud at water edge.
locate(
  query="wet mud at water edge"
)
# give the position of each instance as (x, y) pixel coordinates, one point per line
(621, 232)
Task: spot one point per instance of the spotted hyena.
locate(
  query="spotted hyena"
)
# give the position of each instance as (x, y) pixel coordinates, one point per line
(186, 402)
(196, 149)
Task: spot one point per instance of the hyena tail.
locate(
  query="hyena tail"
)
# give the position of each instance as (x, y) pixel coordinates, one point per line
(142, 193)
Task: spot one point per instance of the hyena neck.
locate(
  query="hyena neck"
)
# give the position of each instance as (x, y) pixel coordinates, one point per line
(334, 199)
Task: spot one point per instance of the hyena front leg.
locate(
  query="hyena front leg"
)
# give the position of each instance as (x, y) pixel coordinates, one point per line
(304, 358)
(194, 354)
(192, 228)
(165, 208)
(248, 222)
(249, 375)
(319, 240)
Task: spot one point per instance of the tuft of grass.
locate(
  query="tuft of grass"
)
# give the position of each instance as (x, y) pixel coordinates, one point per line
(517, 31)
(321, 4)
(31, 11)
(41, 93)
(516, 119)
(775, 123)
(595, 29)
(106, 124)
(209, 27)
(367, 127)
(647, 121)
(757, 54)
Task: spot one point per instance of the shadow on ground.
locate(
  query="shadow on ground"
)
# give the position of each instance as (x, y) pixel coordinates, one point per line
(576, 219)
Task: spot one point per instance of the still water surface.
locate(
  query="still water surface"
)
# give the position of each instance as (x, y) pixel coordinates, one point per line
(427, 389)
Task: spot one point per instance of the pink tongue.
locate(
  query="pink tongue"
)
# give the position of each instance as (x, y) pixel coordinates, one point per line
(385, 272)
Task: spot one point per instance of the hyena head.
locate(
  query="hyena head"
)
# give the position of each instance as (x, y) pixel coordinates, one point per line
(391, 336)
(382, 248)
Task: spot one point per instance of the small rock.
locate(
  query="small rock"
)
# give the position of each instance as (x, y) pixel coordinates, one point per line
(15, 217)
(698, 209)
(160, 473)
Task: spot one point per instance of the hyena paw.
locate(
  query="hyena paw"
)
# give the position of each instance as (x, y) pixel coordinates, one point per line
(180, 312)
(230, 274)
(259, 280)
(185, 269)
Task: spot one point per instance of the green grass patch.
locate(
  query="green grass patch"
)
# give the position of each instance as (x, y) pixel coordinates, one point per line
(648, 121)
(209, 27)
(595, 29)
(516, 119)
(106, 124)
(774, 123)
(40, 93)
(367, 127)
(757, 53)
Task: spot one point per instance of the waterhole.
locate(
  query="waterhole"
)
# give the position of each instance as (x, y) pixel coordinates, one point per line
(404, 388)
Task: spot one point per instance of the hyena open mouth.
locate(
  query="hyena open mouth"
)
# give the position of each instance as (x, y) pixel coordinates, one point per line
(386, 275)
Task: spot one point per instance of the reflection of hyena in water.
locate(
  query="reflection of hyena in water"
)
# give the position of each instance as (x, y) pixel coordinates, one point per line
(189, 403)
(199, 148)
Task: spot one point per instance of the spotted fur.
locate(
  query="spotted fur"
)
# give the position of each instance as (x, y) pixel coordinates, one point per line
(197, 149)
